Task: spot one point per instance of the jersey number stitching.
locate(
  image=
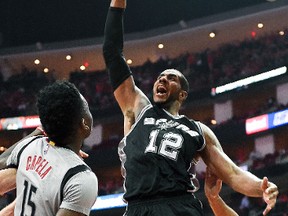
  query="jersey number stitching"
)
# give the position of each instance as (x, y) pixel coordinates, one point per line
(30, 203)
(169, 145)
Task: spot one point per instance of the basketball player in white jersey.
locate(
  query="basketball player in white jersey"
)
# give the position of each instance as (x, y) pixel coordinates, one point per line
(51, 178)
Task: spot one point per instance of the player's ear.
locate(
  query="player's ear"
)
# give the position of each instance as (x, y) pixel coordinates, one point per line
(183, 95)
(86, 128)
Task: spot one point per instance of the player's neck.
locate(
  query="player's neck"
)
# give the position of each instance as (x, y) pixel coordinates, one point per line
(73, 148)
(171, 112)
(173, 109)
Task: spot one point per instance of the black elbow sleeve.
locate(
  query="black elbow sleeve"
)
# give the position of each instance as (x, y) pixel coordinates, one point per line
(113, 48)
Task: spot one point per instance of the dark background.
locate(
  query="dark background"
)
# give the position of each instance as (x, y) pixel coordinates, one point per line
(25, 22)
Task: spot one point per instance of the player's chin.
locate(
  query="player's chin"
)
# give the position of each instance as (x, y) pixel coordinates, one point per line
(160, 103)
(159, 100)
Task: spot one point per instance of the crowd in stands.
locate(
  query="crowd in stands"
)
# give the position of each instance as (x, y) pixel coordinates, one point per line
(203, 70)
(18, 92)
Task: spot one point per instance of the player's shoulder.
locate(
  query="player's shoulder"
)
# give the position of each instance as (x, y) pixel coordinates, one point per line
(25, 143)
(83, 176)
(14, 157)
(29, 140)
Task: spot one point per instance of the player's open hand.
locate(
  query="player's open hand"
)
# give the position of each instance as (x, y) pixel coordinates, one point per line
(270, 193)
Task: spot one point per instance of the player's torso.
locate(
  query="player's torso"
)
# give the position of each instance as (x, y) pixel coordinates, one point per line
(157, 154)
(39, 176)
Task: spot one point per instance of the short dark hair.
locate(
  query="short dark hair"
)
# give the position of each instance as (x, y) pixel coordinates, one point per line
(184, 83)
(183, 80)
(60, 109)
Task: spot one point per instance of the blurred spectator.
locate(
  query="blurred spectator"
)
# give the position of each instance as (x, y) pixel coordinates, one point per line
(244, 205)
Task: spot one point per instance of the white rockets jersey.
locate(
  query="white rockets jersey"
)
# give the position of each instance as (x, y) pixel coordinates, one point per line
(43, 185)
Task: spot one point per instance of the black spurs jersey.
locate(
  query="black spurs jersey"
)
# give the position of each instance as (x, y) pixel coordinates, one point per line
(157, 153)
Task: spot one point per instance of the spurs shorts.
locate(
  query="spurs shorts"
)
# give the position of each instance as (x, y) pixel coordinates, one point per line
(184, 205)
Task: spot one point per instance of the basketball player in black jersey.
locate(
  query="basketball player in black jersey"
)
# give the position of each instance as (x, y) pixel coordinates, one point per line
(159, 144)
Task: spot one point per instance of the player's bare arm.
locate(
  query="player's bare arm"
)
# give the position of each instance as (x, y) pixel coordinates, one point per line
(9, 209)
(212, 189)
(131, 101)
(241, 181)
(5, 154)
(7, 180)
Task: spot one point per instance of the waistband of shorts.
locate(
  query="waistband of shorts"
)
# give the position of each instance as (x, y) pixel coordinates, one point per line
(161, 198)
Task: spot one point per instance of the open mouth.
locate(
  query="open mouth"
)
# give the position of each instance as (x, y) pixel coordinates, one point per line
(161, 90)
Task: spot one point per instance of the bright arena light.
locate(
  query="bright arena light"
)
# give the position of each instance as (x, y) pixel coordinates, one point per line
(68, 57)
(249, 80)
(129, 61)
(260, 25)
(45, 70)
(160, 46)
(82, 67)
(37, 61)
(212, 35)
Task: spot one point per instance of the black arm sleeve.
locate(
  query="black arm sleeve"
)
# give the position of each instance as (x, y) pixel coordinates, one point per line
(113, 47)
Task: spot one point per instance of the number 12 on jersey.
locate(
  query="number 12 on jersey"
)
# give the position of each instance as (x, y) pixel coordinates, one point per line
(169, 144)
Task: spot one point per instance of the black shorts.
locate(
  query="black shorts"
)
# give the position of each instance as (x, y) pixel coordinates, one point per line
(185, 205)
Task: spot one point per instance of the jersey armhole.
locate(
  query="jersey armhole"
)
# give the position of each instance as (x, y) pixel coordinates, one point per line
(202, 134)
(71, 172)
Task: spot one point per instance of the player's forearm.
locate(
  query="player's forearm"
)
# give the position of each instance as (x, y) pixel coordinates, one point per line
(219, 207)
(246, 183)
(7, 180)
(4, 156)
(8, 210)
(241, 181)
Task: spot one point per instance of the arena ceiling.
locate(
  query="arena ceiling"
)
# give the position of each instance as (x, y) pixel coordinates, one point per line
(31, 21)
(50, 31)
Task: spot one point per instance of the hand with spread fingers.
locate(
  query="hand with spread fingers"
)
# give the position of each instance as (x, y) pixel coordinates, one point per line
(270, 193)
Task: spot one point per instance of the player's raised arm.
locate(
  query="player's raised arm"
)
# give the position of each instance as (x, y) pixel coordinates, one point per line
(130, 98)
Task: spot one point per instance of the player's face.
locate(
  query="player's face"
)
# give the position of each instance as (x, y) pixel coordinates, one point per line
(167, 87)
